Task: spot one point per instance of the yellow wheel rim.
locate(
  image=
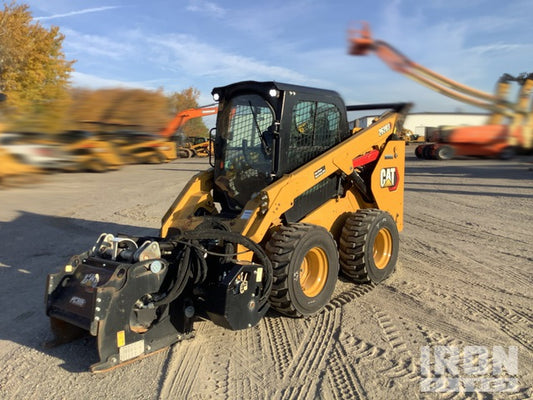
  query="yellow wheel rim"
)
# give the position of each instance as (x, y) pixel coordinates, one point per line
(382, 250)
(313, 272)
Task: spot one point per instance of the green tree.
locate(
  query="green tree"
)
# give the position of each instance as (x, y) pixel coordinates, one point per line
(180, 101)
(34, 73)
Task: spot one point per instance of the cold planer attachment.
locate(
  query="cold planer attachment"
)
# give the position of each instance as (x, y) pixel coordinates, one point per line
(140, 295)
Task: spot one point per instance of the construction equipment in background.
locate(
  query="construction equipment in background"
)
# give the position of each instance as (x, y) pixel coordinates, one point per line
(292, 198)
(89, 151)
(186, 146)
(13, 172)
(142, 147)
(509, 127)
(32, 149)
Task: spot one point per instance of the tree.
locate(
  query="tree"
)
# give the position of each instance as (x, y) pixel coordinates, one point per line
(34, 73)
(180, 101)
(132, 109)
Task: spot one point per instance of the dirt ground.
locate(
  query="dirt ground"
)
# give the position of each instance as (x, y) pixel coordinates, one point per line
(464, 278)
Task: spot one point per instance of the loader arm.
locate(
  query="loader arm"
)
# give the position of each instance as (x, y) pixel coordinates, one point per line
(254, 222)
(338, 160)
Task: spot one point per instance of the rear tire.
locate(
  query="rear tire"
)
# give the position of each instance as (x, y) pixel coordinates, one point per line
(507, 153)
(426, 152)
(306, 267)
(369, 245)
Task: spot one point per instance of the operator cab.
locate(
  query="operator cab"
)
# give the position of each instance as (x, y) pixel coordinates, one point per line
(267, 129)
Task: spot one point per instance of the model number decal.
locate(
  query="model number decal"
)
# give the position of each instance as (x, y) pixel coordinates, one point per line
(90, 280)
(319, 172)
(384, 129)
(77, 301)
(389, 178)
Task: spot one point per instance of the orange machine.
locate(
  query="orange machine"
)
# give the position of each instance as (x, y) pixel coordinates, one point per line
(186, 147)
(496, 139)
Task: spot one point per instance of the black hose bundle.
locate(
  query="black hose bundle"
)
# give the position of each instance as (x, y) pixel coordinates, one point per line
(234, 237)
(192, 264)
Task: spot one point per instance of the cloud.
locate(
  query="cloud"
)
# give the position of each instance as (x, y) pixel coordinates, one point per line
(95, 45)
(80, 79)
(207, 7)
(187, 54)
(79, 12)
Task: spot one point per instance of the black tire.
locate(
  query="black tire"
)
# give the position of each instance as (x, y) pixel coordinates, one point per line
(418, 151)
(306, 266)
(369, 246)
(426, 152)
(444, 152)
(507, 153)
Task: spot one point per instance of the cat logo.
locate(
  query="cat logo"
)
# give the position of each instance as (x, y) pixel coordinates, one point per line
(389, 178)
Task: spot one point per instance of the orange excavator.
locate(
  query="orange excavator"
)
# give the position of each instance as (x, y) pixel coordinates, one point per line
(189, 147)
(509, 126)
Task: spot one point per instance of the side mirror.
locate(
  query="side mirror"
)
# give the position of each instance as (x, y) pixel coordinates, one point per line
(3, 97)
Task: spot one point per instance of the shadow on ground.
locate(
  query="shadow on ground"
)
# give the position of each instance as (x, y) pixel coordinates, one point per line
(31, 247)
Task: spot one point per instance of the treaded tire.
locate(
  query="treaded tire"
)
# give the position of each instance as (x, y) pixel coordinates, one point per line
(418, 151)
(427, 152)
(368, 246)
(306, 266)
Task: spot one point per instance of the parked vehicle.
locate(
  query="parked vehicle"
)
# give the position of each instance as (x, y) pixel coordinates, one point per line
(26, 149)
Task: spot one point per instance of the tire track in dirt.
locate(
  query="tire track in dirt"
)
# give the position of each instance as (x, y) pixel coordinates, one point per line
(276, 334)
(349, 295)
(309, 359)
(248, 367)
(505, 321)
(181, 371)
(516, 325)
(438, 265)
(449, 228)
(294, 349)
(343, 378)
(404, 366)
(179, 374)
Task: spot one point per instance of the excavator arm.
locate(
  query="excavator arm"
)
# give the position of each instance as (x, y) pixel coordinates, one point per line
(183, 116)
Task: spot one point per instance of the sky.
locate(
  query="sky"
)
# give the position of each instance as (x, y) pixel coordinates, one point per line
(176, 44)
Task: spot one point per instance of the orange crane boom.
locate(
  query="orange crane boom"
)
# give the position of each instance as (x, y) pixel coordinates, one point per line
(493, 139)
(361, 43)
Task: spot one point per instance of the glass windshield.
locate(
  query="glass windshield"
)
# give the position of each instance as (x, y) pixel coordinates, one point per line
(246, 130)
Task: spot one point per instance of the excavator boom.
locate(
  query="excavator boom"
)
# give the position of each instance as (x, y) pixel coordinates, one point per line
(183, 116)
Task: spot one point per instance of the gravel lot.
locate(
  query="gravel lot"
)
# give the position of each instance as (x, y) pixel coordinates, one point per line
(464, 279)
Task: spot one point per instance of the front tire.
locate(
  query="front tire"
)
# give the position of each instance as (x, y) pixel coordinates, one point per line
(306, 267)
(369, 246)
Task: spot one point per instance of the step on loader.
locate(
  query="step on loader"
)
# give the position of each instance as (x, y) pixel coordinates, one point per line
(294, 197)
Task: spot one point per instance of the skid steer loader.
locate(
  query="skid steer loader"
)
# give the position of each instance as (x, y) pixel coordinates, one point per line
(293, 196)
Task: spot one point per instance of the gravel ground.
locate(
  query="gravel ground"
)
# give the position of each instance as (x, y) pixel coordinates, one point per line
(464, 279)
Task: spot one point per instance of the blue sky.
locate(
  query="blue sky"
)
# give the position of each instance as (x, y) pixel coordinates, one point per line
(174, 44)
